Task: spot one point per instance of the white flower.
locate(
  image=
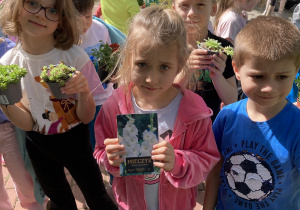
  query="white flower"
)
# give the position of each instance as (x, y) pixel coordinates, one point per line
(146, 149)
(130, 129)
(131, 120)
(133, 151)
(133, 140)
(150, 137)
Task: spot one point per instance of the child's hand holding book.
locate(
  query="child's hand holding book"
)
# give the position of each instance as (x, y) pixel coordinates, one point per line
(163, 156)
(113, 151)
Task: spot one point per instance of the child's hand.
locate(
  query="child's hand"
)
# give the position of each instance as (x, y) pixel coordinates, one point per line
(77, 84)
(219, 63)
(199, 59)
(113, 150)
(164, 156)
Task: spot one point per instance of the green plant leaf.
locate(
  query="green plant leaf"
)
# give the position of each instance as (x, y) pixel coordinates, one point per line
(11, 74)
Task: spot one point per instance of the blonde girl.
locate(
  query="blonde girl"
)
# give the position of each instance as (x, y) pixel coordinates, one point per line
(154, 54)
(47, 32)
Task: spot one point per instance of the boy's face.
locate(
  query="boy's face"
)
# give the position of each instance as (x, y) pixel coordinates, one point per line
(86, 20)
(267, 83)
(195, 13)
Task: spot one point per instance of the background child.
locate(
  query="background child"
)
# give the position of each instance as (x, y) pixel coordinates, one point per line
(296, 21)
(154, 53)
(14, 163)
(118, 12)
(47, 32)
(231, 17)
(220, 85)
(93, 31)
(259, 137)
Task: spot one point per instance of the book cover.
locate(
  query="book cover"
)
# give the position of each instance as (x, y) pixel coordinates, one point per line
(138, 133)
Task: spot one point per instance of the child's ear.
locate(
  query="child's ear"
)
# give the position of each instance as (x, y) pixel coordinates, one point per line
(235, 69)
(214, 9)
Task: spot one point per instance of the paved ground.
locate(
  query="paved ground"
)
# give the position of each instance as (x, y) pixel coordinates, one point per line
(78, 195)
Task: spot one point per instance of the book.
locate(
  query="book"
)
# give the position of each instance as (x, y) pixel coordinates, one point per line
(138, 133)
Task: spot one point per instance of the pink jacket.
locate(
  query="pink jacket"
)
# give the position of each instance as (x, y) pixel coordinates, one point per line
(195, 149)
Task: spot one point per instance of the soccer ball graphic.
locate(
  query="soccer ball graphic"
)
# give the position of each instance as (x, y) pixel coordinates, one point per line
(248, 176)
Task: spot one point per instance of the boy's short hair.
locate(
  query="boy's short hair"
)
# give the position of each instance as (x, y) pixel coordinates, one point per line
(267, 37)
(83, 6)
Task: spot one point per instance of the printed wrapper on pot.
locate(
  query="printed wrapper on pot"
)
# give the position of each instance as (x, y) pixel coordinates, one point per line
(11, 95)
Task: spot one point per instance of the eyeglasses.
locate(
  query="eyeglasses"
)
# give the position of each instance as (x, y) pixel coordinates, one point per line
(34, 7)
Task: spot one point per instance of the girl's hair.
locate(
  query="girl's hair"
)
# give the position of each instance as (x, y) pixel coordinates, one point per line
(83, 6)
(151, 28)
(223, 5)
(66, 34)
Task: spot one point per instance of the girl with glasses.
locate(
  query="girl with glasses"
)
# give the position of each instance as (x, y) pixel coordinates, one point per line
(47, 33)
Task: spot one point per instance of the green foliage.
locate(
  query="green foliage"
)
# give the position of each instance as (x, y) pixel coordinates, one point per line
(214, 45)
(164, 3)
(297, 81)
(140, 2)
(106, 56)
(228, 51)
(11, 74)
(57, 73)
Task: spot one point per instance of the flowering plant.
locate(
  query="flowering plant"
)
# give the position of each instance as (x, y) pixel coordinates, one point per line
(106, 56)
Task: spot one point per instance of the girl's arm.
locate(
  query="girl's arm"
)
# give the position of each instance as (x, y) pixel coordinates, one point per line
(199, 155)
(19, 115)
(212, 187)
(226, 88)
(85, 106)
(106, 128)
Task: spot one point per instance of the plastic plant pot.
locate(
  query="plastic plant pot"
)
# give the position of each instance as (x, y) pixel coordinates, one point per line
(11, 95)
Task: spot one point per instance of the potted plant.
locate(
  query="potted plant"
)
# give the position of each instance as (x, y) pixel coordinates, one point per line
(297, 81)
(56, 77)
(10, 86)
(214, 47)
(106, 58)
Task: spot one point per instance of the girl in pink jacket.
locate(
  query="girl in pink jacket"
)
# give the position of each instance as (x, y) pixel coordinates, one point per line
(154, 53)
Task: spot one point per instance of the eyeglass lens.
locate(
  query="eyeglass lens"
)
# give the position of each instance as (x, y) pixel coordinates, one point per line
(34, 7)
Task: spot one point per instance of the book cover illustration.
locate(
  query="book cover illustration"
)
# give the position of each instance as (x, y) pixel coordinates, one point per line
(138, 133)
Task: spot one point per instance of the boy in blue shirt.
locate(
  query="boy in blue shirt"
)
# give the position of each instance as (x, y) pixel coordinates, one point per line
(259, 137)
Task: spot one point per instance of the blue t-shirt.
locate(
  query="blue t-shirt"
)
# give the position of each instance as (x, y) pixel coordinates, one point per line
(4, 47)
(261, 168)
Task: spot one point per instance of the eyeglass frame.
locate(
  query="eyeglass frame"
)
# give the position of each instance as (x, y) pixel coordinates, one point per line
(41, 7)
